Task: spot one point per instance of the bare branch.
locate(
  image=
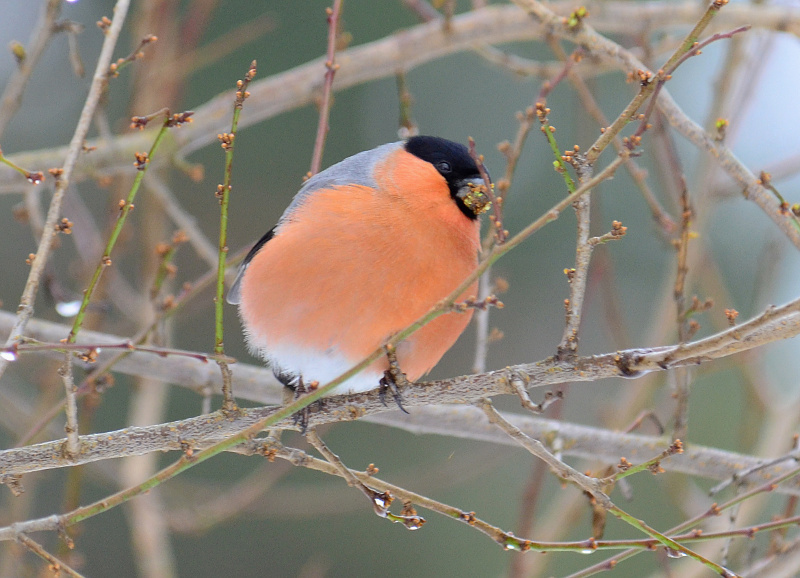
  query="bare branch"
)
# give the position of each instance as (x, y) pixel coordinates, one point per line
(774, 324)
(405, 50)
(40, 38)
(330, 71)
(25, 309)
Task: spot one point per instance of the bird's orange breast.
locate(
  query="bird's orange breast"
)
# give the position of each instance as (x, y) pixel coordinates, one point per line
(353, 265)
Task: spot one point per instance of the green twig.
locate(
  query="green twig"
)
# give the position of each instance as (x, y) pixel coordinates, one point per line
(713, 511)
(549, 131)
(33, 177)
(223, 194)
(652, 465)
(126, 206)
(648, 83)
(669, 542)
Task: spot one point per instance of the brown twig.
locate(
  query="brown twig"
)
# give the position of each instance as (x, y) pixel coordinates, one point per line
(114, 68)
(56, 565)
(568, 348)
(648, 82)
(638, 174)
(330, 71)
(379, 500)
(713, 511)
(567, 63)
(538, 449)
(663, 76)
(92, 350)
(272, 449)
(682, 376)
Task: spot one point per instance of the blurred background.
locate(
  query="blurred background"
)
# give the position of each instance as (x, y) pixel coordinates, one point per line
(245, 517)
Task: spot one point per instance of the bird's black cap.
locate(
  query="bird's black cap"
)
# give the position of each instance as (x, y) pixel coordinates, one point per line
(451, 159)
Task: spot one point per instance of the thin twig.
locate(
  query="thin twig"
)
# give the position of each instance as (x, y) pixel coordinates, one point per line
(593, 486)
(25, 309)
(663, 75)
(56, 565)
(125, 207)
(93, 349)
(117, 362)
(228, 141)
(538, 449)
(40, 38)
(204, 248)
(568, 347)
(647, 87)
(638, 174)
(379, 500)
(713, 511)
(682, 378)
(330, 70)
(577, 280)
(72, 445)
(299, 458)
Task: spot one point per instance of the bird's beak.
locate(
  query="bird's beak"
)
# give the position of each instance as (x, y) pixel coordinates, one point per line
(475, 195)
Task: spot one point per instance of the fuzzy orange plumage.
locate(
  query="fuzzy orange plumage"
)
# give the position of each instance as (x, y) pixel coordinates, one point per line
(367, 247)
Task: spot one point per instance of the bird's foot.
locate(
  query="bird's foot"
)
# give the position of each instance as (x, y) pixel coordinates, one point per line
(302, 417)
(393, 379)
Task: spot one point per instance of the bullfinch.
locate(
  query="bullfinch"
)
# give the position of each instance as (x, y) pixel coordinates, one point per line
(365, 248)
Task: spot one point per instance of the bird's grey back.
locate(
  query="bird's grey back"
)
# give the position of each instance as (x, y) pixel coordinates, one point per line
(354, 170)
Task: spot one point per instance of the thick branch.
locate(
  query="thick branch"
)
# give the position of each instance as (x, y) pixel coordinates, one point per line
(774, 324)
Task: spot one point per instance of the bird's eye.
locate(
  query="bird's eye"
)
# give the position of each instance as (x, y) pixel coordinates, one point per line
(443, 167)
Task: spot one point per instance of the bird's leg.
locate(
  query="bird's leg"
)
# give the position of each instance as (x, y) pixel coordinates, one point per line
(393, 379)
(294, 389)
(301, 417)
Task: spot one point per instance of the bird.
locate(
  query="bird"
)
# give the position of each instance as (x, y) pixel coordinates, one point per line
(364, 249)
